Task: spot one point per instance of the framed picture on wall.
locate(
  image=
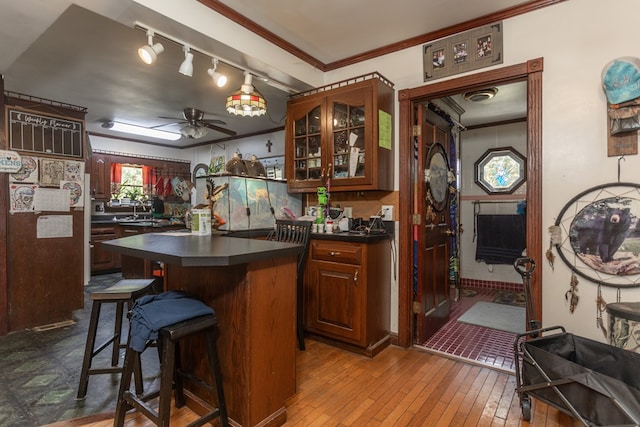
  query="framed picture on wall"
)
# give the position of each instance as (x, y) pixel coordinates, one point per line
(463, 52)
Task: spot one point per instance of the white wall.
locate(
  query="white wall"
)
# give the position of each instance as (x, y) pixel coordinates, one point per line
(256, 145)
(100, 143)
(473, 144)
(576, 39)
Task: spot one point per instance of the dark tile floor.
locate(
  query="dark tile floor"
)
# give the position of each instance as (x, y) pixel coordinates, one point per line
(485, 346)
(39, 371)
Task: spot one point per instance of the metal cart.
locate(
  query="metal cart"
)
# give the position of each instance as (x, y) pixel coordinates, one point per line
(525, 267)
(596, 383)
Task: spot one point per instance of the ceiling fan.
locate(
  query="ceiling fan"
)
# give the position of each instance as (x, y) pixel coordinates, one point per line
(197, 126)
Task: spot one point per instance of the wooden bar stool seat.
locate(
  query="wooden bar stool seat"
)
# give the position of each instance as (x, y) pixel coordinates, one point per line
(126, 291)
(172, 375)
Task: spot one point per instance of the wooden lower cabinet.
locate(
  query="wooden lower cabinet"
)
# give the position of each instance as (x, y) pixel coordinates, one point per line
(103, 260)
(346, 294)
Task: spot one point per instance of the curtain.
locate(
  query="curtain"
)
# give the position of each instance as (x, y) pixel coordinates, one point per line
(148, 179)
(116, 177)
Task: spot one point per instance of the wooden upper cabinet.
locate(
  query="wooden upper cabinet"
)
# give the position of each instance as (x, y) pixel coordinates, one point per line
(342, 132)
(100, 176)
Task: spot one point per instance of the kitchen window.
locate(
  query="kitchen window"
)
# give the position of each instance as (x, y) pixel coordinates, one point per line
(131, 182)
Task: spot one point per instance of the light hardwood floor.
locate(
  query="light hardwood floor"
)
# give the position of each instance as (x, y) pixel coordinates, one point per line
(399, 387)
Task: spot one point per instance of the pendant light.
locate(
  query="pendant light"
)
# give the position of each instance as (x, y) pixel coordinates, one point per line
(149, 52)
(247, 101)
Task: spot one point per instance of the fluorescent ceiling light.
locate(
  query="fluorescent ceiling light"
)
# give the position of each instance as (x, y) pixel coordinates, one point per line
(141, 130)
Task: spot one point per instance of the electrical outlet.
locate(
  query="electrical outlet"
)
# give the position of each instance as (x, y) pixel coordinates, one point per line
(386, 212)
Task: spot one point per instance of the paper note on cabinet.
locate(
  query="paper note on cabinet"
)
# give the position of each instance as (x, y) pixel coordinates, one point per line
(384, 129)
(54, 226)
(49, 199)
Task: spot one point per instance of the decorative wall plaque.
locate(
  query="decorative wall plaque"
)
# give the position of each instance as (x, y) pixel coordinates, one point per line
(40, 133)
(463, 52)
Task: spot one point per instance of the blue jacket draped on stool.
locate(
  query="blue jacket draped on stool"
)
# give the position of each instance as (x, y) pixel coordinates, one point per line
(150, 313)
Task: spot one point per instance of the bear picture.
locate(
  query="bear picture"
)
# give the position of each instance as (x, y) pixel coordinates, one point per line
(605, 235)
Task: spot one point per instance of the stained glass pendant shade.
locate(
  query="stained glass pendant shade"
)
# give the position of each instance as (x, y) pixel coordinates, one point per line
(246, 101)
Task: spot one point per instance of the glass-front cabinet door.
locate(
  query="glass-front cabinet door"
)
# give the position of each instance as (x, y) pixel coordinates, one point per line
(333, 137)
(308, 145)
(348, 135)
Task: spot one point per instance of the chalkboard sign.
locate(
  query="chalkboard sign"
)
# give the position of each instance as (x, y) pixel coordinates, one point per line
(39, 133)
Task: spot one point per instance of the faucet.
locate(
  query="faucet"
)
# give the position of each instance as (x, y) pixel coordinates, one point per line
(135, 211)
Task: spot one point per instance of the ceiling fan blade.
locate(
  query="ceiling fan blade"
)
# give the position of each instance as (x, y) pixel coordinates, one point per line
(220, 129)
(180, 119)
(214, 121)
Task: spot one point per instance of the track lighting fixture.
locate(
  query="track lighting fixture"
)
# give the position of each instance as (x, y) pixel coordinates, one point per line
(219, 79)
(149, 52)
(246, 101)
(186, 67)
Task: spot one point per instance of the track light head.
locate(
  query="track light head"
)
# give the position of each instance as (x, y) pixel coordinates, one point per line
(149, 52)
(186, 67)
(218, 78)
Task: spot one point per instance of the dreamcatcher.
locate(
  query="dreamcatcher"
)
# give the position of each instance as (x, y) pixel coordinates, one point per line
(597, 235)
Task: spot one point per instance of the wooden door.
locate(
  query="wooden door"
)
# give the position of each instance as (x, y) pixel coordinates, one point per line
(434, 230)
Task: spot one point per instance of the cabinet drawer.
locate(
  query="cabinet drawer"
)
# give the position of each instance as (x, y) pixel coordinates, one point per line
(98, 231)
(336, 252)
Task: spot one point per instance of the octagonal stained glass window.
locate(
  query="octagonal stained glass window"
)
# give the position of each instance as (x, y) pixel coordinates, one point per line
(500, 170)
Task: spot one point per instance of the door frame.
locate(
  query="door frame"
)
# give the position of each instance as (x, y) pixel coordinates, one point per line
(531, 72)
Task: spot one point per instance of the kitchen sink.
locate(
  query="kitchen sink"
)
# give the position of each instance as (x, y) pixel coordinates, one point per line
(132, 220)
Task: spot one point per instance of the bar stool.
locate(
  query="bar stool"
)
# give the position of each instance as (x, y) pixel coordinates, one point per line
(126, 291)
(172, 375)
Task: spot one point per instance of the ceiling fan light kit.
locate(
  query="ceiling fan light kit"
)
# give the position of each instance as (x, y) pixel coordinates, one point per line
(196, 125)
(193, 131)
(246, 101)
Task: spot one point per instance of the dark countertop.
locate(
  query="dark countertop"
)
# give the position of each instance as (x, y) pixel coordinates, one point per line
(336, 236)
(187, 250)
(142, 221)
(347, 236)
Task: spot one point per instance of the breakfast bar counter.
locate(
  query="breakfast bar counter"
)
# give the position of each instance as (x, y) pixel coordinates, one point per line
(251, 285)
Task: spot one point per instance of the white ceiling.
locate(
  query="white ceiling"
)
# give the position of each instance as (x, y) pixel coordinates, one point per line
(84, 54)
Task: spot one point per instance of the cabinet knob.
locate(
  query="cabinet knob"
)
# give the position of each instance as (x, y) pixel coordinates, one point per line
(355, 277)
(334, 253)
